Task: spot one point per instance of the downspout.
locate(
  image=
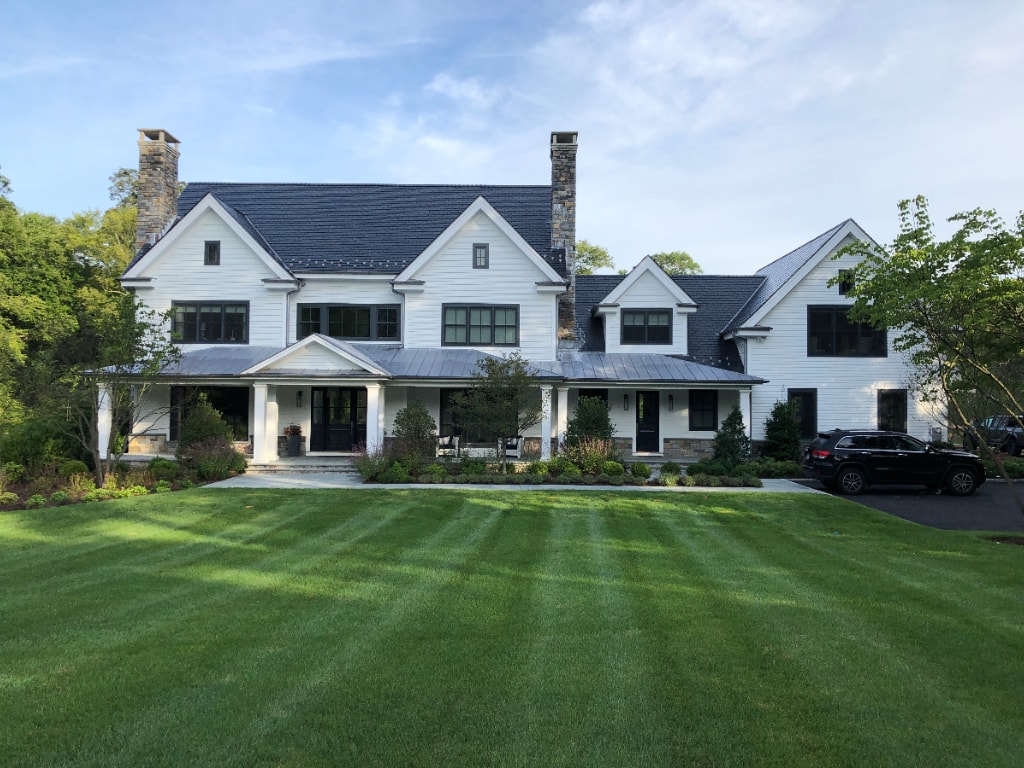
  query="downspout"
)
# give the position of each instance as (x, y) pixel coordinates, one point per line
(298, 287)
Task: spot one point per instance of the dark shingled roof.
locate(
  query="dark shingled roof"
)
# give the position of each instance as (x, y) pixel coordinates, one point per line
(369, 228)
(778, 273)
(718, 298)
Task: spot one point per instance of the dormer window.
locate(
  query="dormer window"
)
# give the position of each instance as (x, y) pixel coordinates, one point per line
(481, 256)
(845, 281)
(211, 253)
(646, 326)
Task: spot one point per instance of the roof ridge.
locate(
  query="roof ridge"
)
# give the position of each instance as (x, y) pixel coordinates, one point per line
(826, 234)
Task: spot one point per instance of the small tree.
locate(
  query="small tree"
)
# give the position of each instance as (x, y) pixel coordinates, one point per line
(415, 431)
(782, 433)
(590, 419)
(732, 446)
(206, 445)
(502, 401)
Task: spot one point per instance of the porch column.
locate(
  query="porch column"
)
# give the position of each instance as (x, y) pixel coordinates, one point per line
(374, 418)
(746, 411)
(104, 420)
(545, 422)
(563, 414)
(264, 428)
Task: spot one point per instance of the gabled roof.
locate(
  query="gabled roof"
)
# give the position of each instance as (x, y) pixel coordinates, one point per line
(357, 361)
(369, 228)
(784, 272)
(648, 266)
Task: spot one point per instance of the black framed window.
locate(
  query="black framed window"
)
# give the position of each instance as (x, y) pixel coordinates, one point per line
(845, 281)
(211, 253)
(473, 324)
(892, 409)
(703, 410)
(209, 323)
(360, 322)
(481, 256)
(646, 326)
(830, 333)
(806, 401)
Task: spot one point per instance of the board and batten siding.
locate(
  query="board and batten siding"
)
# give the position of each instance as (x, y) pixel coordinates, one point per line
(510, 279)
(179, 275)
(646, 293)
(847, 387)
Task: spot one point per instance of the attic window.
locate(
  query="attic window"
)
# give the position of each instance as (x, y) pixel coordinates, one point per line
(481, 256)
(845, 281)
(211, 253)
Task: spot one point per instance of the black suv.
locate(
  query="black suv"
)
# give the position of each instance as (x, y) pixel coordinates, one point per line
(852, 459)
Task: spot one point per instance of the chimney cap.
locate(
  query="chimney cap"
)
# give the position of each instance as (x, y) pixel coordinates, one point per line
(157, 134)
(563, 137)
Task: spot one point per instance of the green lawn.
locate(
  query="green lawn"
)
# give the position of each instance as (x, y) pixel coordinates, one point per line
(426, 627)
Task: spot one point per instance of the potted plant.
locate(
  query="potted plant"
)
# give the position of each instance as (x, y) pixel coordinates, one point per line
(294, 434)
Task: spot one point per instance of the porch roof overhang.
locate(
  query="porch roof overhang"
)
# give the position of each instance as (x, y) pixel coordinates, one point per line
(633, 369)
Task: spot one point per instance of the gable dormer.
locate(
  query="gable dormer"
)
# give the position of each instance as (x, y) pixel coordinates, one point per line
(646, 312)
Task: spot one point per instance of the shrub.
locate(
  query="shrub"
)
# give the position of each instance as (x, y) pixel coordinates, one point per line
(35, 443)
(707, 467)
(782, 433)
(560, 463)
(202, 424)
(59, 498)
(396, 473)
(569, 473)
(415, 431)
(589, 453)
(668, 480)
(1014, 468)
(640, 470)
(161, 486)
(615, 479)
(435, 470)
(371, 466)
(590, 420)
(73, 467)
(212, 459)
(474, 467)
(670, 468)
(14, 472)
(35, 501)
(163, 469)
(765, 467)
(79, 484)
(8, 499)
(537, 468)
(612, 469)
(732, 446)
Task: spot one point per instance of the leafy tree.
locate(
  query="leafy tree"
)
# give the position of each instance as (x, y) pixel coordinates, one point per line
(677, 263)
(415, 430)
(503, 400)
(590, 419)
(782, 433)
(590, 258)
(731, 445)
(124, 187)
(956, 306)
(5, 186)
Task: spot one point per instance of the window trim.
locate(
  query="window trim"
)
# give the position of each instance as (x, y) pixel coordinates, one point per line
(835, 311)
(646, 326)
(809, 396)
(211, 303)
(703, 409)
(483, 249)
(468, 342)
(374, 321)
(211, 253)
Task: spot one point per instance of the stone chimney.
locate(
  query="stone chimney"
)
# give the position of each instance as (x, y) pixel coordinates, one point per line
(158, 184)
(563, 222)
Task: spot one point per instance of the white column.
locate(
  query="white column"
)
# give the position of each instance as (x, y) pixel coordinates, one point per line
(259, 424)
(745, 410)
(104, 420)
(374, 418)
(545, 422)
(563, 414)
(272, 427)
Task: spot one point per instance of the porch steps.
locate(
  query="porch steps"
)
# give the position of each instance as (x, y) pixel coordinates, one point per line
(305, 465)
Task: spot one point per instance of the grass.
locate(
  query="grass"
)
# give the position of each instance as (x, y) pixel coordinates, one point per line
(370, 627)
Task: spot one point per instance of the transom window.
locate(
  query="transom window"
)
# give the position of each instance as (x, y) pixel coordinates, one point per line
(703, 410)
(347, 321)
(830, 333)
(646, 326)
(208, 323)
(471, 324)
(481, 256)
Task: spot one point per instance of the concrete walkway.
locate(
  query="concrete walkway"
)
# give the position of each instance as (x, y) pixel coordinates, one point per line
(329, 480)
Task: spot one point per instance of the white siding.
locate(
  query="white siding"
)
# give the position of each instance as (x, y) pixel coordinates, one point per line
(341, 291)
(646, 293)
(847, 387)
(510, 280)
(314, 357)
(179, 275)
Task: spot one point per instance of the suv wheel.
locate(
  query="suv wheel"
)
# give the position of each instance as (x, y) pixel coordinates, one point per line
(851, 481)
(961, 482)
(1011, 447)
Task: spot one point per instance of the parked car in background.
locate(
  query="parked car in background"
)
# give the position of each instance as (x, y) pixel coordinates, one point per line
(850, 460)
(1004, 433)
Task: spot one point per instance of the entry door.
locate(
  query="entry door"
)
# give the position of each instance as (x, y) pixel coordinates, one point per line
(338, 420)
(648, 439)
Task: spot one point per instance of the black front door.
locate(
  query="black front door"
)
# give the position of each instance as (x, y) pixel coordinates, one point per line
(647, 418)
(338, 419)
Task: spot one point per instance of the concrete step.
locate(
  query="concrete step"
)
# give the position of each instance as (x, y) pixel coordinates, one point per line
(304, 466)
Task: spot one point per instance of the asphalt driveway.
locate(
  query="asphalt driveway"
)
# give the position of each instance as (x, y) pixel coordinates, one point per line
(991, 508)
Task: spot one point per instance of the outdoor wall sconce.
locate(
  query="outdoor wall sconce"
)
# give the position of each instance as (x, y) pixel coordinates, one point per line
(298, 399)
(625, 402)
(671, 403)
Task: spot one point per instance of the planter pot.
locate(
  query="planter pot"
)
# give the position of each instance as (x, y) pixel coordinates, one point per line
(294, 445)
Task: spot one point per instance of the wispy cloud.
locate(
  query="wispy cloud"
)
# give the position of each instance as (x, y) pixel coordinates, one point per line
(37, 66)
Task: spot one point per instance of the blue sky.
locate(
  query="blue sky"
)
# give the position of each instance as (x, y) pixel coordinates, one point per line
(735, 130)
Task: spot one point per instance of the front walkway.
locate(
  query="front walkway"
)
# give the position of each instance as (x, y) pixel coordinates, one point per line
(332, 480)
